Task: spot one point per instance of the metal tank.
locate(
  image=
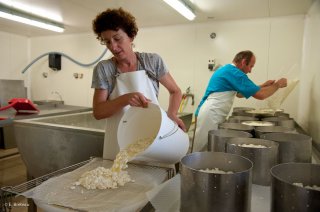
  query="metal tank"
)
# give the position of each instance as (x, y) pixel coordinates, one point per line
(236, 126)
(203, 191)
(263, 157)
(281, 121)
(239, 119)
(288, 190)
(258, 131)
(217, 138)
(293, 147)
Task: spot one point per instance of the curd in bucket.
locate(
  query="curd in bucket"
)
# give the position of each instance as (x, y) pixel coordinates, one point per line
(170, 143)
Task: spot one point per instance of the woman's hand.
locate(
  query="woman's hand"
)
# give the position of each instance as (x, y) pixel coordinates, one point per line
(179, 122)
(137, 99)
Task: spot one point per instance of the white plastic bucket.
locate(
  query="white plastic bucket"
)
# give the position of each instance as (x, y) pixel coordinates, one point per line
(171, 143)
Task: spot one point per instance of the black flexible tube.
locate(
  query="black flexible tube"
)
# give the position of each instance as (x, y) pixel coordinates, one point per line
(64, 55)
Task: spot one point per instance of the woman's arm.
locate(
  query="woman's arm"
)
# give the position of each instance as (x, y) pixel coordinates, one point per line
(174, 99)
(104, 108)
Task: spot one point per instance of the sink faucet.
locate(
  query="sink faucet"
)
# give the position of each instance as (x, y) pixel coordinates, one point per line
(188, 94)
(58, 94)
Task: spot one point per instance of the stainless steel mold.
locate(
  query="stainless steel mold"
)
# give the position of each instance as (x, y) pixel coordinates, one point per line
(242, 108)
(258, 115)
(293, 147)
(239, 119)
(275, 118)
(282, 114)
(241, 113)
(258, 131)
(217, 138)
(202, 191)
(287, 197)
(236, 126)
(281, 121)
(263, 158)
(287, 123)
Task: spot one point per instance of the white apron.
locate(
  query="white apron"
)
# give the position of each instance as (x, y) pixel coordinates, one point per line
(136, 81)
(212, 112)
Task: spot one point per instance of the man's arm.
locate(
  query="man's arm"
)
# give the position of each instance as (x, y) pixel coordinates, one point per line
(268, 90)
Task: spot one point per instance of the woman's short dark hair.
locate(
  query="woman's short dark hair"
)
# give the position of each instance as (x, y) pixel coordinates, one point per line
(115, 19)
(247, 55)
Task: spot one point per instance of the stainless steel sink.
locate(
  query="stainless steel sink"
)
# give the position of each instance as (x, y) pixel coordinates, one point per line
(47, 144)
(49, 102)
(186, 118)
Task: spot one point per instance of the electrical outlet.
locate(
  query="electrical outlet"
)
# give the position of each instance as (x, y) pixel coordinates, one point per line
(211, 64)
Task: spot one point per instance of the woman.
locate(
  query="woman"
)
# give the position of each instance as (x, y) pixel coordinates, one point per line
(128, 78)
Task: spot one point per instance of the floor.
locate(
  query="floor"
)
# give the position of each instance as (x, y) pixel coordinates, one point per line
(12, 173)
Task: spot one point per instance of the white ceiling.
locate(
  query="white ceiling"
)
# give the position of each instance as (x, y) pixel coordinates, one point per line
(77, 15)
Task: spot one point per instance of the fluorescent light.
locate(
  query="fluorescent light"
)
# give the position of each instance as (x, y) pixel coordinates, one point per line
(37, 11)
(182, 8)
(22, 17)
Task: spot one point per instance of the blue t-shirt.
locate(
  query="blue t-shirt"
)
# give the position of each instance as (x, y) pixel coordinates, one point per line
(229, 78)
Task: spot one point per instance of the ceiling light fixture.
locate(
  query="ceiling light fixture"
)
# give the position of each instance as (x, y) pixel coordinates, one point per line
(182, 8)
(26, 18)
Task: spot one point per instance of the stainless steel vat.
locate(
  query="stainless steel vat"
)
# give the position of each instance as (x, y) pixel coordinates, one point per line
(51, 143)
(287, 197)
(202, 191)
(217, 138)
(263, 158)
(258, 131)
(293, 147)
(7, 131)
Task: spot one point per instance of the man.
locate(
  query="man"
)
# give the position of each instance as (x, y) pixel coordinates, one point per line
(227, 82)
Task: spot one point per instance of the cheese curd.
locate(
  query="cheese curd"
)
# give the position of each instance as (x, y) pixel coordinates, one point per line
(257, 123)
(102, 178)
(215, 171)
(252, 145)
(263, 111)
(314, 187)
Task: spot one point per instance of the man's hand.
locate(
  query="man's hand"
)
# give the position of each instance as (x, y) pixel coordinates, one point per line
(267, 83)
(281, 83)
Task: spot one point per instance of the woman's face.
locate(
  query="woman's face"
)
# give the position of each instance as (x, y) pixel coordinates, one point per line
(118, 42)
